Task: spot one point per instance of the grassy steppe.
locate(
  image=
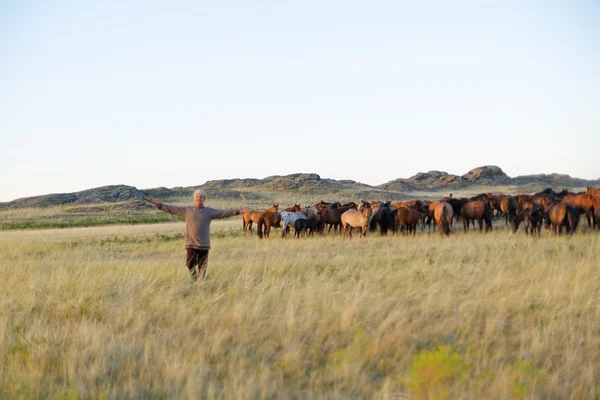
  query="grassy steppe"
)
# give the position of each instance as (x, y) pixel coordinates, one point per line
(111, 313)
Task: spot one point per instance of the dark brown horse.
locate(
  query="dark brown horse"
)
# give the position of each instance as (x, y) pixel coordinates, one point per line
(531, 217)
(583, 203)
(552, 193)
(253, 216)
(561, 215)
(477, 210)
(267, 221)
(306, 226)
(384, 218)
(332, 216)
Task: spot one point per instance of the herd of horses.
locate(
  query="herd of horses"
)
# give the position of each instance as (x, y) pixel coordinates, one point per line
(554, 210)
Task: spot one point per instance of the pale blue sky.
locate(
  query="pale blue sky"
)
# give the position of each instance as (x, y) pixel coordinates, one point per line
(154, 94)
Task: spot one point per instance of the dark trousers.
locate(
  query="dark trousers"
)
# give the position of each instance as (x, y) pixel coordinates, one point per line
(197, 262)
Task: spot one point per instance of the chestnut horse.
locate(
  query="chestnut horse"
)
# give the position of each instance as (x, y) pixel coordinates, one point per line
(443, 217)
(583, 203)
(596, 204)
(561, 215)
(407, 219)
(294, 208)
(322, 205)
(430, 213)
(356, 219)
(477, 210)
(509, 206)
(253, 216)
(593, 191)
(267, 221)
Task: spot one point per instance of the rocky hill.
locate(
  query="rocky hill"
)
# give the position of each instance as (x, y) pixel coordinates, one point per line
(247, 189)
(488, 175)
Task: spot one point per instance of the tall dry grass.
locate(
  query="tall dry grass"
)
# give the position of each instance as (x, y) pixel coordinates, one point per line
(114, 315)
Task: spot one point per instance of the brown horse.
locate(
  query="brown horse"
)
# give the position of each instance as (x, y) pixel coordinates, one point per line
(253, 216)
(443, 217)
(430, 211)
(522, 199)
(509, 206)
(596, 204)
(267, 221)
(593, 191)
(532, 217)
(332, 216)
(356, 219)
(561, 215)
(294, 208)
(529, 204)
(416, 204)
(583, 203)
(322, 205)
(477, 210)
(494, 202)
(407, 219)
(545, 200)
(398, 204)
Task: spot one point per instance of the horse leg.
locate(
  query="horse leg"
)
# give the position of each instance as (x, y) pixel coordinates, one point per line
(480, 224)
(250, 227)
(588, 217)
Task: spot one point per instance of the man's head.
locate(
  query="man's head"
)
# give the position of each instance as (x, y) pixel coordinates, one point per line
(199, 197)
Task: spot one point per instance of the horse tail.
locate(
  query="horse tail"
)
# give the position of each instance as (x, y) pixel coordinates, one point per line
(573, 219)
(487, 216)
(444, 225)
(259, 226)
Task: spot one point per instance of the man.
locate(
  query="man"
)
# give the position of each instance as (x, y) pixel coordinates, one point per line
(197, 229)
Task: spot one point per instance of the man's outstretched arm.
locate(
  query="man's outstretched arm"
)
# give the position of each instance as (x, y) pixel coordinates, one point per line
(217, 214)
(167, 208)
